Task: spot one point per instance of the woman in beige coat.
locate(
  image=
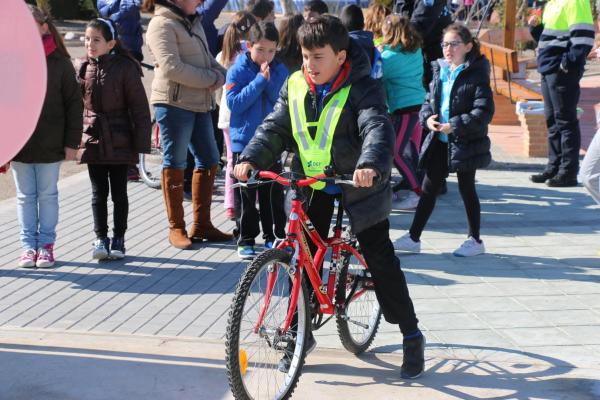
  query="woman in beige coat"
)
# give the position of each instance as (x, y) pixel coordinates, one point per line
(185, 77)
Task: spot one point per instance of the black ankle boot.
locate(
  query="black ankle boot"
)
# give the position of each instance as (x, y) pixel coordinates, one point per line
(542, 177)
(413, 363)
(562, 180)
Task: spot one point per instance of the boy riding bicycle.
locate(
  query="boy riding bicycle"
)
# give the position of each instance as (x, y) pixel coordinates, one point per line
(331, 113)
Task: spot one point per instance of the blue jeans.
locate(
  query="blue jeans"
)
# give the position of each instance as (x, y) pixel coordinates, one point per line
(37, 202)
(181, 129)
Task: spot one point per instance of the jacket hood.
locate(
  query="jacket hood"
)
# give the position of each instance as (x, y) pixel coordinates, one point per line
(364, 38)
(360, 66)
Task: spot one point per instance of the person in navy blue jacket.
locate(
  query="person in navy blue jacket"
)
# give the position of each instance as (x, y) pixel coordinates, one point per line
(252, 88)
(126, 14)
(210, 11)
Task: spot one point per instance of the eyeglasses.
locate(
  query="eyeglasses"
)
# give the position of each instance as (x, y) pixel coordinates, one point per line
(454, 44)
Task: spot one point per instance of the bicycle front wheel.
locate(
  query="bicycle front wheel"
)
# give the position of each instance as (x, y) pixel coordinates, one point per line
(255, 354)
(359, 318)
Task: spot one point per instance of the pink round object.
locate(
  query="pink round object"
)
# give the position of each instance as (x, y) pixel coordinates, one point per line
(22, 77)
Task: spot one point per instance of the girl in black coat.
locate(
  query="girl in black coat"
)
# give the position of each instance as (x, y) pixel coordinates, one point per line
(457, 110)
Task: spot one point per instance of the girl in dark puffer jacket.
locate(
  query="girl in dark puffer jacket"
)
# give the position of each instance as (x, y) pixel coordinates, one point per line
(116, 128)
(458, 108)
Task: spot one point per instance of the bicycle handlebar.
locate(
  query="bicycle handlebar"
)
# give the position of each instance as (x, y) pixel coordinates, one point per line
(273, 176)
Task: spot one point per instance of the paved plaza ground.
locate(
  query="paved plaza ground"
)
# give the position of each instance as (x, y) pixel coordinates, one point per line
(522, 321)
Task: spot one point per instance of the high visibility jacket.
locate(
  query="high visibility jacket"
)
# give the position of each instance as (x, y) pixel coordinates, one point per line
(565, 36)
(314, 153)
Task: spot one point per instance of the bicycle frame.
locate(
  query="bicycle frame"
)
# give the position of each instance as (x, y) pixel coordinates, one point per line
(302, 259)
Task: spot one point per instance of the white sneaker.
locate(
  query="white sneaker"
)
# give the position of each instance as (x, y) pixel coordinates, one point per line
(470, 248)
(405, 243)
(410, 203)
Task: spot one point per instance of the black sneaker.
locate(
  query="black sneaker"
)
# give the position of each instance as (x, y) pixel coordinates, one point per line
(286, 360)
(117, 248)
(413, 363)
(100, 250)
(562, 180)
(541, 178)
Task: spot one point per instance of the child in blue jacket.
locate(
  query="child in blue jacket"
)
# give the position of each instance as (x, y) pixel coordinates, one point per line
(252, 88)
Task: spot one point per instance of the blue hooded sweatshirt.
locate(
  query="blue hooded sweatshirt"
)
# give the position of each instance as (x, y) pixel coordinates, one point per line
(126, 14)
(250, 97)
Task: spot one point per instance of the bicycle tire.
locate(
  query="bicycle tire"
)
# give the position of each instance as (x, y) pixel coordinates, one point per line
(239, 380)
(347, 278)
(151, 180)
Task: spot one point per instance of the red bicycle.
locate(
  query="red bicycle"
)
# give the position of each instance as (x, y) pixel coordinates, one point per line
(273, 312)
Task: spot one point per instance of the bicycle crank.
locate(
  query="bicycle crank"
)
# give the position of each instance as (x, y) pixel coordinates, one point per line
(346, 318)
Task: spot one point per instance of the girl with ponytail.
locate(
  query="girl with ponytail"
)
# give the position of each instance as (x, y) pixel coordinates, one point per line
(234, 43)
(116, 128)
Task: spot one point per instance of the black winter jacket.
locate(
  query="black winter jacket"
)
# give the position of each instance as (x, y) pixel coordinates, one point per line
(60, 122)
(471, 110)
(363, 138)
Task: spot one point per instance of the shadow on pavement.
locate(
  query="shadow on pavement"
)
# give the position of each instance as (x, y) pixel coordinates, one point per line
(513, 210)
(493, 373)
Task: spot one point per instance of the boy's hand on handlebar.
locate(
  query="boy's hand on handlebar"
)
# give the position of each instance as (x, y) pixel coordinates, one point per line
(242, 170)
(364, 177)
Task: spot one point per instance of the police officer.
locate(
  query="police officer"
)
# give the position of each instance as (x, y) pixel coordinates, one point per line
(565, 36)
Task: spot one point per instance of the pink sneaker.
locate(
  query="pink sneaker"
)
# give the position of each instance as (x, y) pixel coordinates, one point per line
(28, 259)
(45, 258)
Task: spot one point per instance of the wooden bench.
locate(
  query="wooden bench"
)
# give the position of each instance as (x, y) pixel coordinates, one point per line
(504, 63)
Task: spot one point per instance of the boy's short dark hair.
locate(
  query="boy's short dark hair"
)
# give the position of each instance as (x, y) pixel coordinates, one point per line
(322, 31)
(261, 8)
(263, 30)
(317, 6)
(352, 18)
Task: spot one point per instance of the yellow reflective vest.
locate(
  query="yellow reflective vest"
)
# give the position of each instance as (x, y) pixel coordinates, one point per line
(314, 153)
(567, 36)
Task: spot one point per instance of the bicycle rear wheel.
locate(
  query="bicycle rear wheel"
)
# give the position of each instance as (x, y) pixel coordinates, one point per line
(253, 353)
(150, 165)
(359, 319)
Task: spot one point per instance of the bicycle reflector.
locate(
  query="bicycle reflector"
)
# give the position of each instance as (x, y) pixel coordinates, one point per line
(243, 361)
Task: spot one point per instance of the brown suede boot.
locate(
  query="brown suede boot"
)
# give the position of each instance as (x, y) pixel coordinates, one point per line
(202, 191)
(172, 187)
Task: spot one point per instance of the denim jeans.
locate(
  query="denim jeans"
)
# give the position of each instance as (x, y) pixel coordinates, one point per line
(182, 129)
(37, 202)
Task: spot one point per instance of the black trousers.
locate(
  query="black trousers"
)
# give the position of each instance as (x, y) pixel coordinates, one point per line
(436, 173)
(271, 216)
(377, 248)
(561, 93)
(111, 178)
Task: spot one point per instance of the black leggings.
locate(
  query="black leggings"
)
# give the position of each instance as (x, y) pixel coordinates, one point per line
(113, 178)
(437, 171)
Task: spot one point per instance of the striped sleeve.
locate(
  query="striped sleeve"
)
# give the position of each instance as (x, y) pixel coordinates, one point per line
(581, 31)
